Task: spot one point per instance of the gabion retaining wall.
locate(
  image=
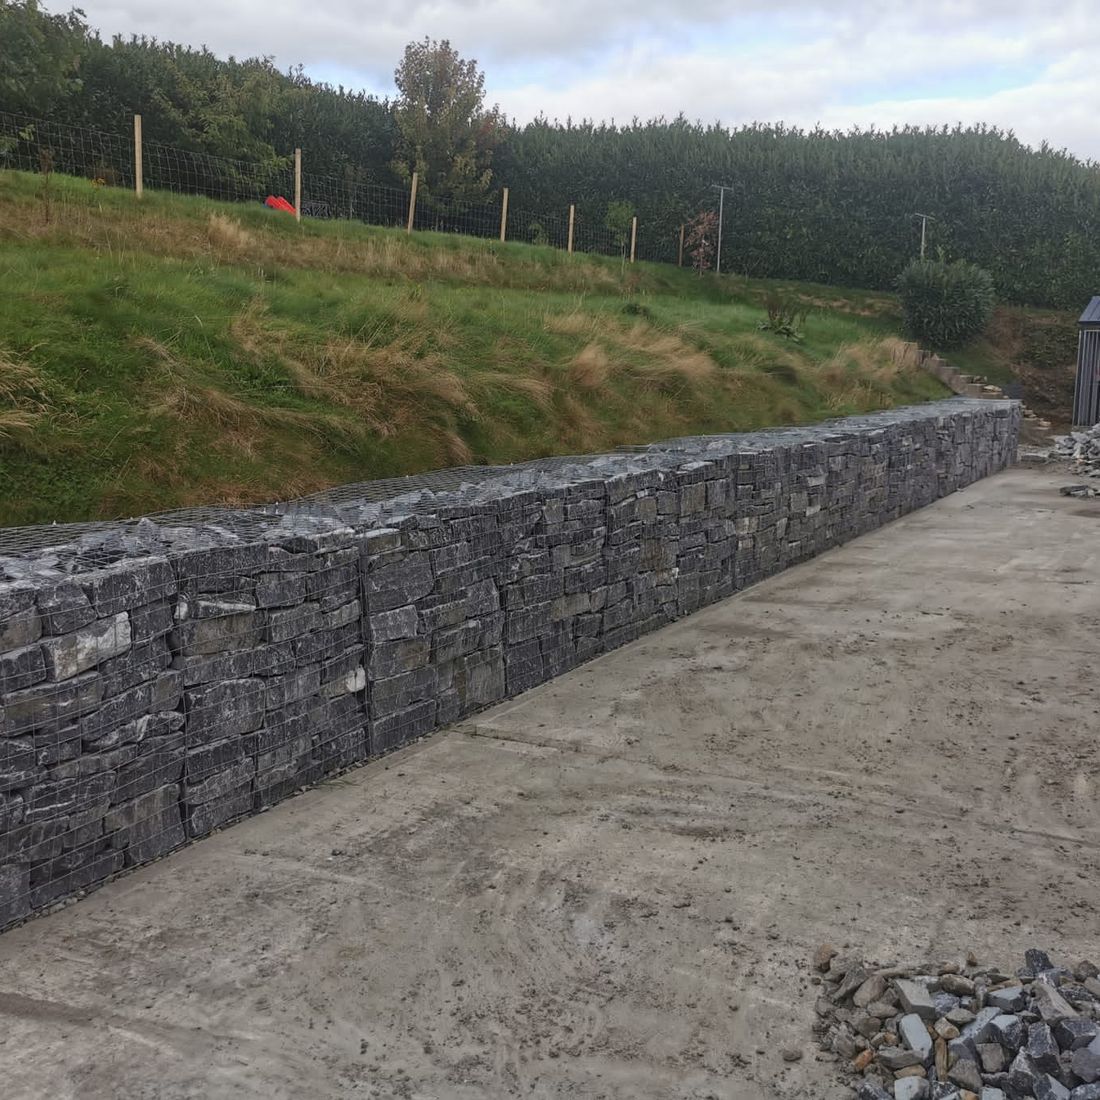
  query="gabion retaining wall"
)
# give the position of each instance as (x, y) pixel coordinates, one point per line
(160, 679)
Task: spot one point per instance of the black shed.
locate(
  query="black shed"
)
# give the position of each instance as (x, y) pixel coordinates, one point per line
(1086, 394)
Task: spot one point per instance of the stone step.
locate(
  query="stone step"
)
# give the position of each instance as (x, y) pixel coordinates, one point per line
(1033, 435)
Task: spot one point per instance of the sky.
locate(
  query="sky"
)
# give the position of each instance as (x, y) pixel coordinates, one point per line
(1019, 64)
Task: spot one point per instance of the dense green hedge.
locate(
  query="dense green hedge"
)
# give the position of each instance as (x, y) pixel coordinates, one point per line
(945, 305)
(817, 205)
(838, 208)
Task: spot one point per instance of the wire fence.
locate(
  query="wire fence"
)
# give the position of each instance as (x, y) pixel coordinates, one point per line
(32, 145)
(115, 160)
(354, 199)
(186, 173)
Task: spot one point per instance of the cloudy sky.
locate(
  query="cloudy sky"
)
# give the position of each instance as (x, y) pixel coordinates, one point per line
(1022, 64)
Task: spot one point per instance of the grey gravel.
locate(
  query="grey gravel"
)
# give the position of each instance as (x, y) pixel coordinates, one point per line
(1009, 1031)
(1075, 1032)
(1000, 1055)
(993, 1057)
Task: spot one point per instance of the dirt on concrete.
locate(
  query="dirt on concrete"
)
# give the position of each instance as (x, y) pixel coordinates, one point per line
(613, 885)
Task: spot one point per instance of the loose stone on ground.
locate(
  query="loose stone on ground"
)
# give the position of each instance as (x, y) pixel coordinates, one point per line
(962, 1033)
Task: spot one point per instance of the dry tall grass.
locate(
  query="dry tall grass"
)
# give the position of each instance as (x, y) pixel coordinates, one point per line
(227, 234)
(385, 382)
(22, 404)
(392, 378)
(863, 373)
(590, 368)
(181, 391)
(652, 357)
(276, 242)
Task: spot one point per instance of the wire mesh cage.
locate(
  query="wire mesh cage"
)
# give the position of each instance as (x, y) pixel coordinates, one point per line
(153, 693)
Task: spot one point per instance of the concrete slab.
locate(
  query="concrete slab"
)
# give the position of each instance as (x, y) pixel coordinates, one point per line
(611, 887)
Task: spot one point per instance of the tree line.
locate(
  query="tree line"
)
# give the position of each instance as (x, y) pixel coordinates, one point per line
(810, 205)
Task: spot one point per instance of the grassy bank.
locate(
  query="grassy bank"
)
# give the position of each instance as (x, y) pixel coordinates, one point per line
(178, 351)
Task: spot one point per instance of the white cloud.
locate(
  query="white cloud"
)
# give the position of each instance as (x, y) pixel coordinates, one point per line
(1008, 62)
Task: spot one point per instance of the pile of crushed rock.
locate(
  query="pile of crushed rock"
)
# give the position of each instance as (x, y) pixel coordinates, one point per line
(950, 1032)
(1083, 450)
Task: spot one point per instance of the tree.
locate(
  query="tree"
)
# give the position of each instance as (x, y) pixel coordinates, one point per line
(620, 218)
(39, 57)
(445, 133)
(702, 240)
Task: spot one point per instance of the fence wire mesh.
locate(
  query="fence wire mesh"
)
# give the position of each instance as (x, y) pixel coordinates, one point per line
(38, 146)
(541, 228)
(33, 145)
(186, 173)
(353, 199)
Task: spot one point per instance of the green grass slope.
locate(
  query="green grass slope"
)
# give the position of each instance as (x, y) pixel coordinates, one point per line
(175, 351)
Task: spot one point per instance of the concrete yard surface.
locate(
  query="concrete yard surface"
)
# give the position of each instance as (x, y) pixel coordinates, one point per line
(612, 885)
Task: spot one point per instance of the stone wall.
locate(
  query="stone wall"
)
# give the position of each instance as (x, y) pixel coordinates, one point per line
(162, 678)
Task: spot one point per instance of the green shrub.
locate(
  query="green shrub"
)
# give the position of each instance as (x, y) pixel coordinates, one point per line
(945, 305)
(786, 315)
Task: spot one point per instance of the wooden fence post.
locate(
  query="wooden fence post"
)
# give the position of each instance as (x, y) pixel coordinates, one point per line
(572, 213)
(633, 236)
(139, 167)
(680, 257)
(412, 203)
(297, 185)
(504, 215)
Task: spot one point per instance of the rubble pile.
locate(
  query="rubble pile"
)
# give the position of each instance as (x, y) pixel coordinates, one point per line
(1083, 450)
(951, 1032)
